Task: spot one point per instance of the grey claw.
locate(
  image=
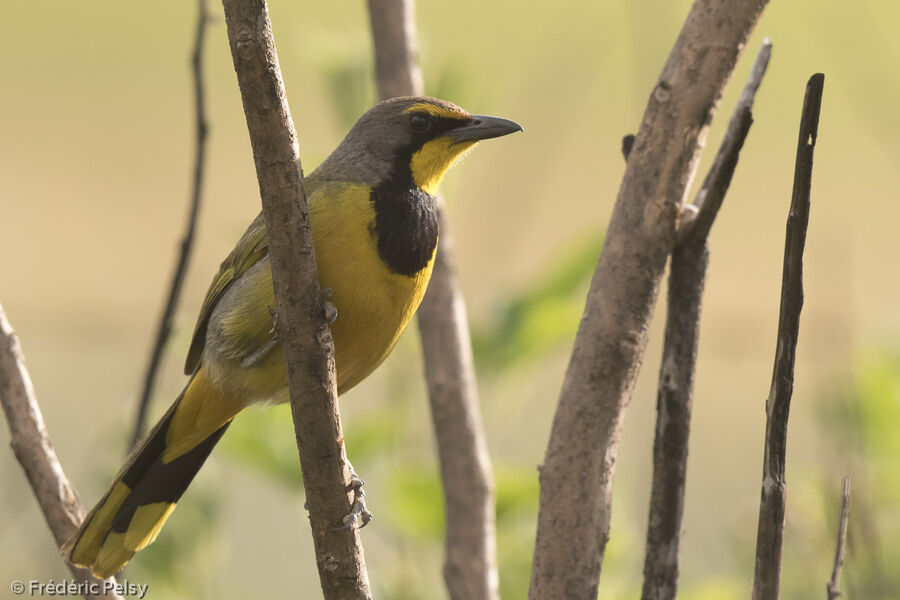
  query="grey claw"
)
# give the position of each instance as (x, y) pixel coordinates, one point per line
(331, 311)
(359, 512)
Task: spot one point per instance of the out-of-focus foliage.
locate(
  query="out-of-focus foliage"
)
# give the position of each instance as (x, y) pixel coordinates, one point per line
(177, 562)
(859, 412)
(345, 66)
(263, 438)
(861, 418)
(540, 318)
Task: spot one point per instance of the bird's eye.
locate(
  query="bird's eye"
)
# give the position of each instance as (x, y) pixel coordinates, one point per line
(419, 122)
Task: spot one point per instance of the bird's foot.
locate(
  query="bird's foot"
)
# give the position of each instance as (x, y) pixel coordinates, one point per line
(331, 311)
(359, 515)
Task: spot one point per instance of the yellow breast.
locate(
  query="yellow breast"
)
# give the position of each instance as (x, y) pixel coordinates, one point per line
(374, 304)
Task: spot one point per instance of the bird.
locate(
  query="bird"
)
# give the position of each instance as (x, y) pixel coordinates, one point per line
(374, 223)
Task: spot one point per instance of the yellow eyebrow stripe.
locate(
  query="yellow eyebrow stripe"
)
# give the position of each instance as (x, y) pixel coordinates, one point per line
(438, 111)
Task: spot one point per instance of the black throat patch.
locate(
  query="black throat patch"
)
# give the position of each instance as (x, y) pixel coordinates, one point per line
(406, 226)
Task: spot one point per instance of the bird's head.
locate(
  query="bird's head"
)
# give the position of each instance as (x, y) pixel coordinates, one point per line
(411, 141)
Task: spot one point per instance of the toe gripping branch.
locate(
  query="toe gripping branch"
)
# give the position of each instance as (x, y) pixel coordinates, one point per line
(359, 515)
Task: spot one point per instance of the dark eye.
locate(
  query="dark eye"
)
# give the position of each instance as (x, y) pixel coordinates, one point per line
(419, 122)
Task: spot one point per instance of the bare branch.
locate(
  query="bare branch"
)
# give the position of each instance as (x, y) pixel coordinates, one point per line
(470, 568)
(32, 447)
(770, 532)
(576, 478)
(187, 242)
(300, 324)
(676, 378)
(673, 405)
(696, 223)
(397, 70)
(840, 551)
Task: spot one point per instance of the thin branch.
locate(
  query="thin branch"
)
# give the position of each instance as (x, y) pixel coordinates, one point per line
(673, 405)
(676, 378)
(576, 478)
(187, 241)
(696, 223)
(300, 316)
(397, 70)
(470, 568)
(32, 447)
(840, 551)
(770, 532)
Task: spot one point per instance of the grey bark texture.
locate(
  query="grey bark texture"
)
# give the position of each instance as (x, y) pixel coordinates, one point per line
(770, 530)
(687, 276)
(306, 340)
(32, 447)
(576, 477)
(470, 566)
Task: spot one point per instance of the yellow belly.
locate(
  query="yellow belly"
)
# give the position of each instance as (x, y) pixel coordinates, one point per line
(374, 305)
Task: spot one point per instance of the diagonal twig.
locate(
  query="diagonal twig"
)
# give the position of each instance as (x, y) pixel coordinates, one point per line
(840, 550)
(770, 531)
(696, 222)
(470, 565)
(187, 241)
(300, 324)
(32, 447)
(676, 378)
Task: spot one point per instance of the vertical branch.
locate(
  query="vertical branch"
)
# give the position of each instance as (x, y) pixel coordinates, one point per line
(840, 551)
(576, 477)
(676, 378)
(470, 567)
(770, 532)
(33, 449)
(187, 242)
(397, 69)
(300, 317)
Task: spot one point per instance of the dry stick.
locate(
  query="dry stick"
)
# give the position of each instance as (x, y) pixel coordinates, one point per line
(840, 551)
(470, 568)
(33, 449)
(576, 477)
(300, 324)
(187, 242)
(767, 576)
(695, 224)
(676, 378)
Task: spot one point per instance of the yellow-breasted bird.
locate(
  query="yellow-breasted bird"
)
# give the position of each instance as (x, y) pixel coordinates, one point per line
(374, 225)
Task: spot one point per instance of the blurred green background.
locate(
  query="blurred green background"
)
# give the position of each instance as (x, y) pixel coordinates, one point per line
(96, 138)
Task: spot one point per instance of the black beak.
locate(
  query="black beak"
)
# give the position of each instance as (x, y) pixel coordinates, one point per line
(482, 127)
